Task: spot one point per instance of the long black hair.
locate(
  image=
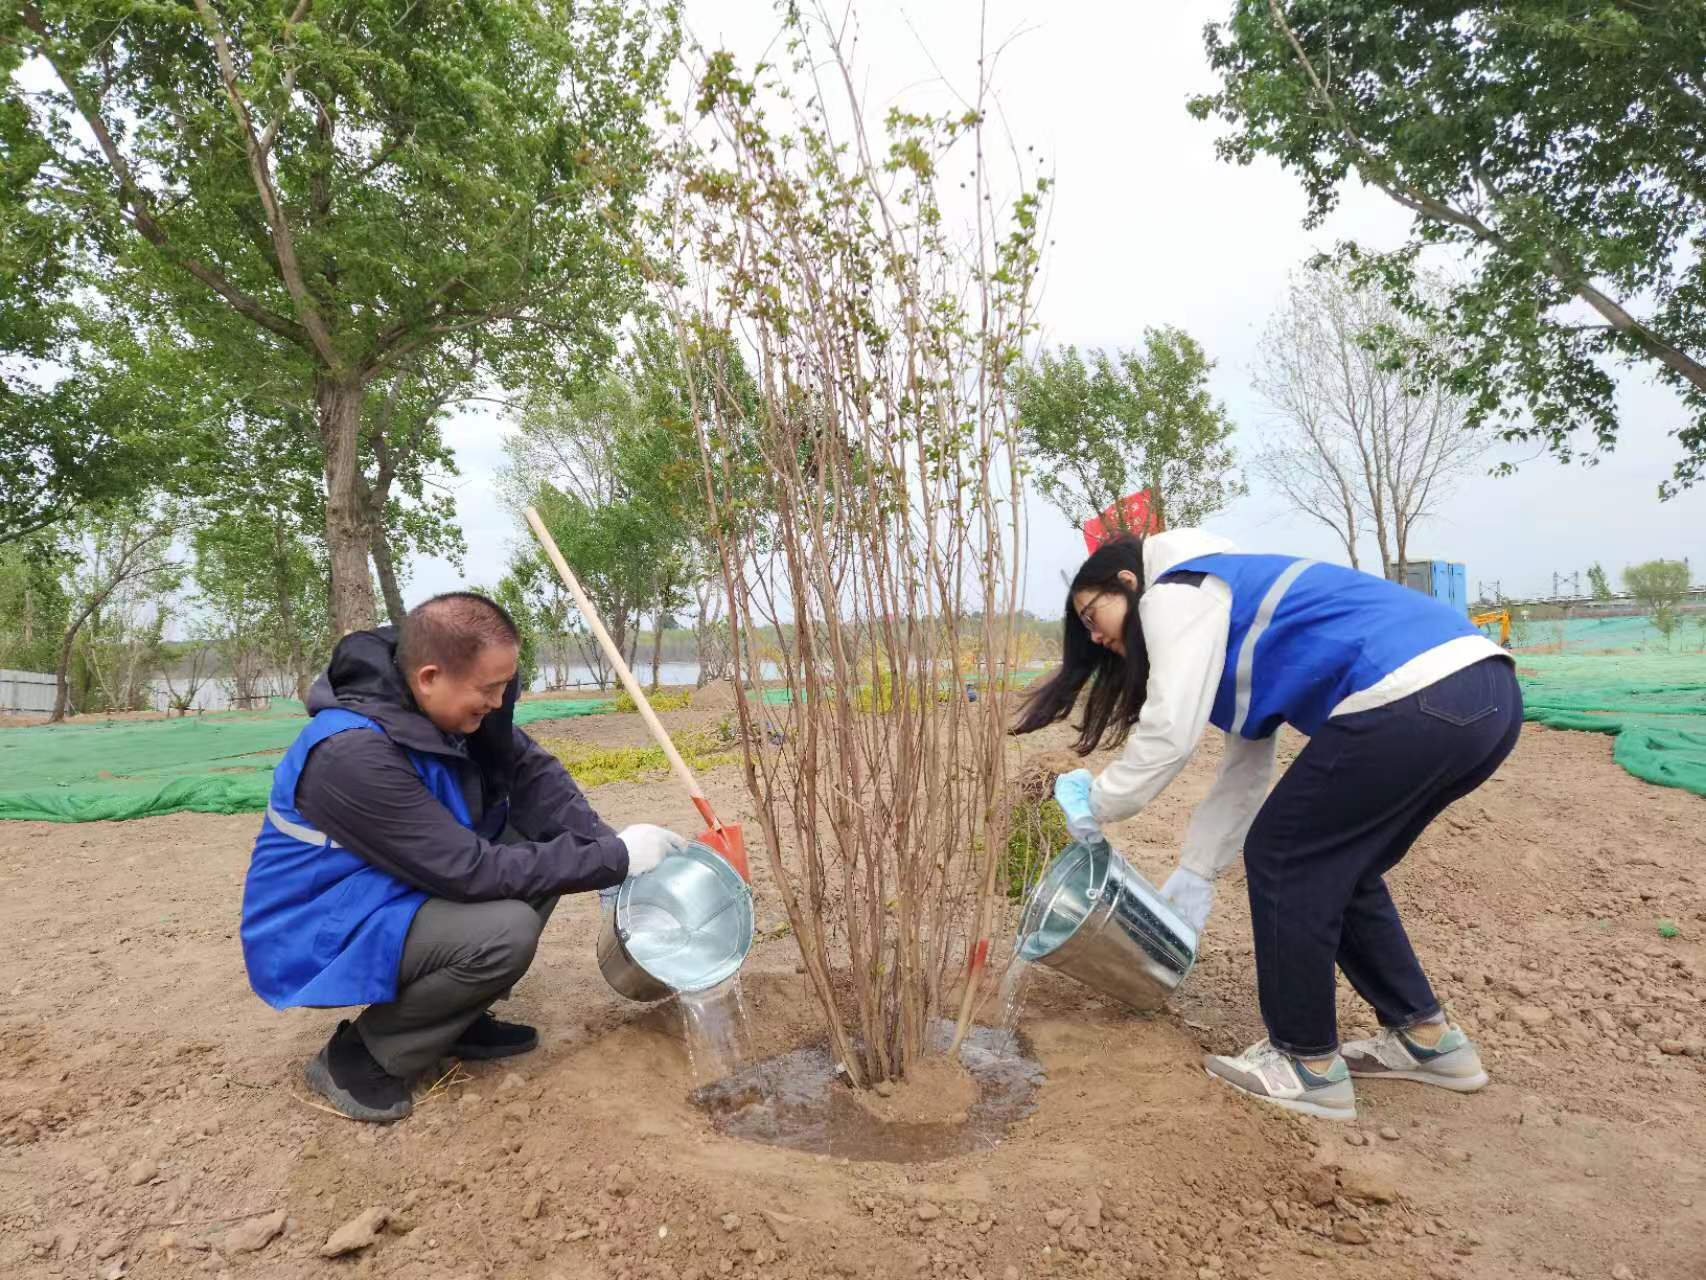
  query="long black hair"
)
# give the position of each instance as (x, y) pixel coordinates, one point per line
(1117, 684)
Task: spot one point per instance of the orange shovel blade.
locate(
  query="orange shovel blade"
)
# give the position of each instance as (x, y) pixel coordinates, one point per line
(724, 837)
(727, 840)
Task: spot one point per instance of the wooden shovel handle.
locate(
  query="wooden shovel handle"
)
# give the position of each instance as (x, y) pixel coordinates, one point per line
(614, 656)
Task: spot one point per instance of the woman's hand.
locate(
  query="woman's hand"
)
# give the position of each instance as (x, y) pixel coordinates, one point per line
(1191, 896)
(1072, 794)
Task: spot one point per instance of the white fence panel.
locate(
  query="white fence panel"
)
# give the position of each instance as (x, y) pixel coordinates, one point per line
(26, 691)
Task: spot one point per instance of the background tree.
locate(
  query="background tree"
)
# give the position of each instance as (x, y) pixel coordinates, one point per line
(1365, 443)
(114, 550)
(1599, 586)
(262, 599)
(332, 195)
(1095, 430)
(702, 365)
(582, 459)
(1555, 145)
(1658, 587)
(33, 604)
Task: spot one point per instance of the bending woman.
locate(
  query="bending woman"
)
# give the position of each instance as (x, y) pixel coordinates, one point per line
(1407, 708)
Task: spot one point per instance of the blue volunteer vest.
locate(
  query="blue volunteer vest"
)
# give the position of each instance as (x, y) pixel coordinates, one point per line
(321, 926)
(1305, 636)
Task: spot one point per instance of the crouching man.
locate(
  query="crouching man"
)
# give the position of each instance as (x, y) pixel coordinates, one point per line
(414, 844)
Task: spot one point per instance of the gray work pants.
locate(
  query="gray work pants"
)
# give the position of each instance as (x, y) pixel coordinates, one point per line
(457, 959)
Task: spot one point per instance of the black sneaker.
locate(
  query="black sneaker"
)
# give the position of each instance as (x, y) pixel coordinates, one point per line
(345, 1074)
(487, 1037)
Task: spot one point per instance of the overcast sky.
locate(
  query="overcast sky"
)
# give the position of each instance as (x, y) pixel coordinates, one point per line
(1149, 228)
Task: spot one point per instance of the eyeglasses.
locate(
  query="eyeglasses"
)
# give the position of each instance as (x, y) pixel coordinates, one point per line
(1088, 612)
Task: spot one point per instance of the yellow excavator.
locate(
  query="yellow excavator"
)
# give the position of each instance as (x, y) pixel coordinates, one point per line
(1500, 616)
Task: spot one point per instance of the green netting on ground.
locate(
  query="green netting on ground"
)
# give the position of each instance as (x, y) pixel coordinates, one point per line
(1603, 635)
(1654, 703)
(217, 763)
(561, 708)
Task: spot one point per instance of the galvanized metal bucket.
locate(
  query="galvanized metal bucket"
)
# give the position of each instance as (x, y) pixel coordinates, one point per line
(686, 925)
(1093, 917)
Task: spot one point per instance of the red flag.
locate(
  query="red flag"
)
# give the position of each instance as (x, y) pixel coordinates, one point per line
(1134, 513)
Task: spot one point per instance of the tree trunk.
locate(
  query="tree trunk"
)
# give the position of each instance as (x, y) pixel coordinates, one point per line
(386, 568)
(657, 650)
(338, 400)
(62, 675)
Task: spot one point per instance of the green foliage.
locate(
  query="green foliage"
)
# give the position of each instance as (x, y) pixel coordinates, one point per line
(513, 596)
(1668, 929)
(1599, 586)
(121, 575)
(1554, 144)
(662, 700)
(1037, 833)
(593, 766)
(34, 608)
(1095, 430)
(617, 486)
(261, 595)
(1658, 586)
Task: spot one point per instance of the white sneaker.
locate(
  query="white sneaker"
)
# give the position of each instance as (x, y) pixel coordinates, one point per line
(1451, 1064)
(1273, 1075)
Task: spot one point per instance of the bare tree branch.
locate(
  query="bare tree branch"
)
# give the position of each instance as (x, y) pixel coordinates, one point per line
(284, 242)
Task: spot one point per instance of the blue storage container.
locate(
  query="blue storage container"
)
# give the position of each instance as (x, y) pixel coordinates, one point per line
(1444, 580)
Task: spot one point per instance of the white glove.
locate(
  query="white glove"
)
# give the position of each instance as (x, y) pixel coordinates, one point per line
(1191, 896)
(1072, 794)
(648, 846)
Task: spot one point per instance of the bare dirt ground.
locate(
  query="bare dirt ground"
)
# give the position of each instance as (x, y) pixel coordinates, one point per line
(153, 1123)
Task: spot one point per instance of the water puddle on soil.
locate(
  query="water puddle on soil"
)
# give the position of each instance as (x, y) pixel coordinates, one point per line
(798, 1101)
(719, 1035)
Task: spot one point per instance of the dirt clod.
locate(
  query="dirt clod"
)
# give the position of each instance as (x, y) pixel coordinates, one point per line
(142, 1171)
(1347, 1232)
(928, 1212)
(620, 1181)
(1362, 1185)
(1319, 1187)
(254, 1235)
(1388, 1133)
(356, 1234)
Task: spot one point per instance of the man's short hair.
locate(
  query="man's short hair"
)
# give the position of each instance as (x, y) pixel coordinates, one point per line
(449, 630)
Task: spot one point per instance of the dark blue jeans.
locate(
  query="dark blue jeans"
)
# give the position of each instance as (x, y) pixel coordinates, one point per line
(1344, 814)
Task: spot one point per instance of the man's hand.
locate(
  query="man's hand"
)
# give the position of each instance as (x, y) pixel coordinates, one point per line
(648, 845)
(1191, 896)
(1072, 793)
